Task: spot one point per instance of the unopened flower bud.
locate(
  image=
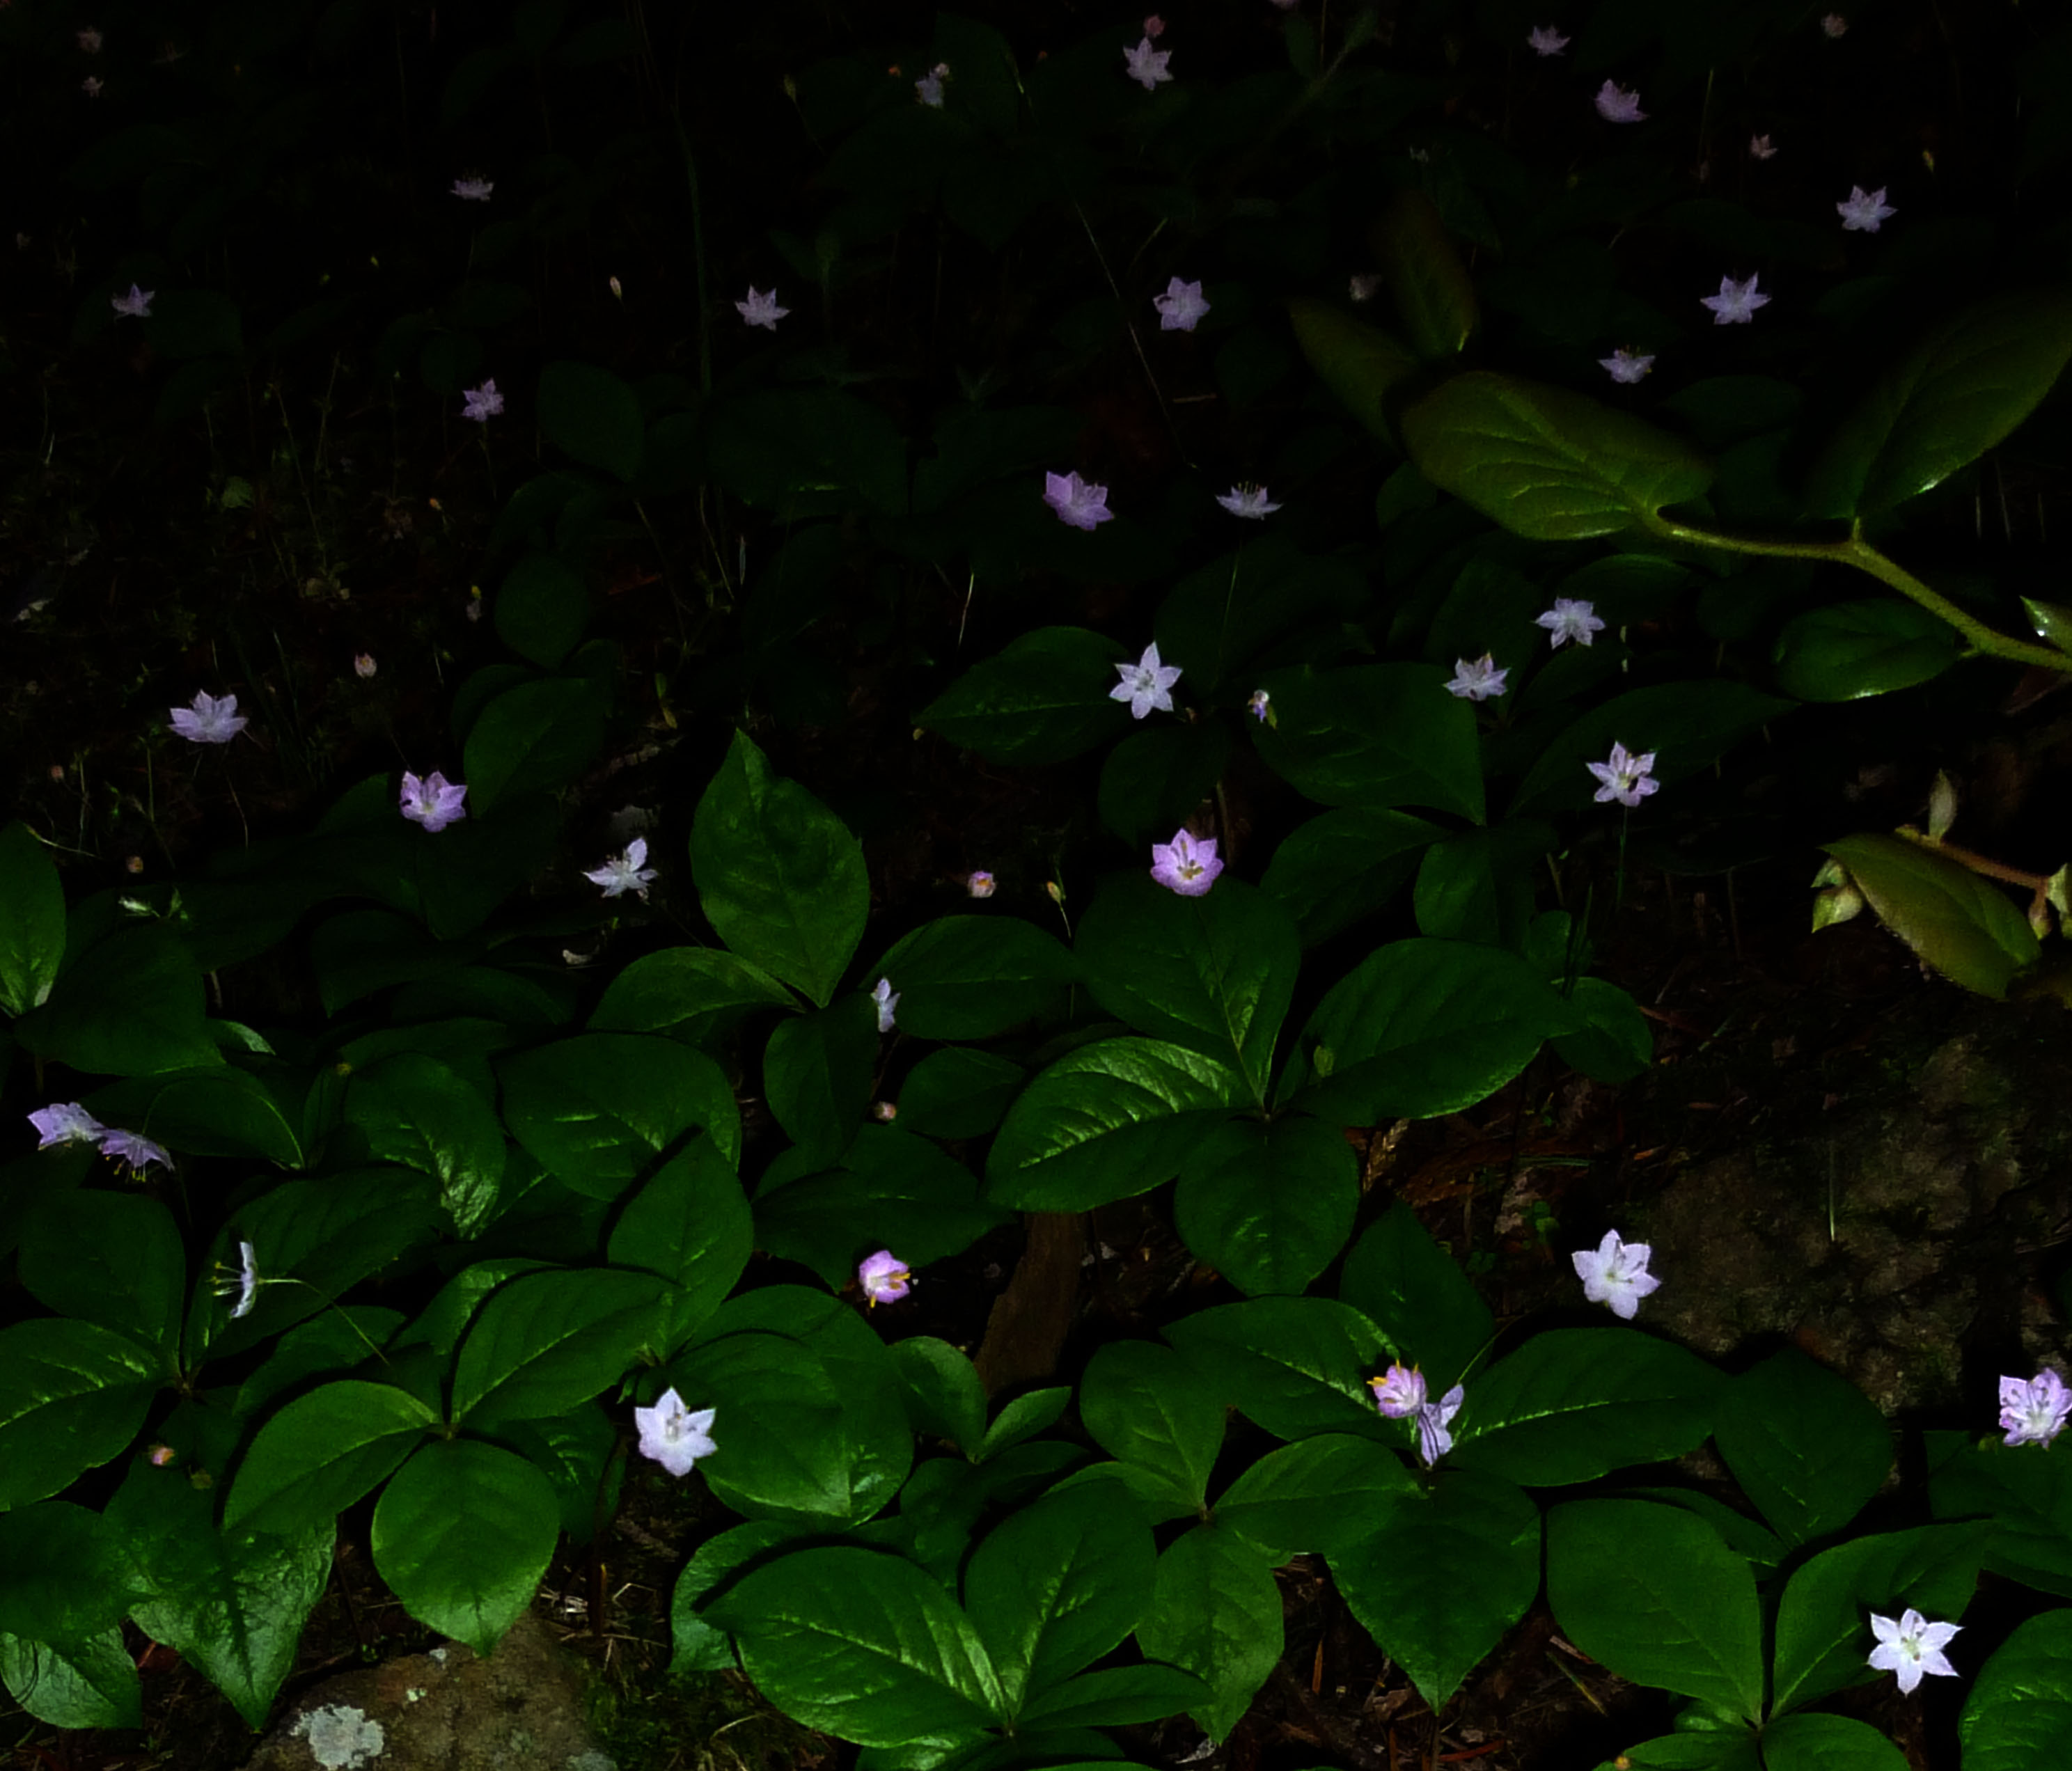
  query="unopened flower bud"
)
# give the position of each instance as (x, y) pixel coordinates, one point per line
(1837, 904)
(1941, 806)
(363, 665)
(979, 883)
(884, 1112)
(162, 1455)
(2039, 918)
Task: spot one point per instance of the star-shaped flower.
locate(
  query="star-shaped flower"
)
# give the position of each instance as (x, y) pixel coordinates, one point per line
(928, 88)
(1433, 1440)
(1180, 307)
(2034, 1413)
(134, 1150)
(1833, 24)
(1571, 618)
(363, 665)
(136, 305)
(1625, 777)
(884, 1277)
(1260, 708)
(1247, 500)
(887, 999)
(1147, 66)
(1626, 367)
(1079, 503)
(979, 883)
(761, 309)
(1616, 1273)
(1476, 679)
(1911, 1647)
(65, 1122)
(434, 802)
(1186, 865)
(473, 189)
(1399, 1391)
(1864, 211)
(1146, 684)
(481, 404)
(623, 873)
(89, 40)
(211, 720)
(92, 86)
(1759, 147)
(242, 1280)
(675, 1436)
(1546, 40)
(1616, 105)
(1736, 303)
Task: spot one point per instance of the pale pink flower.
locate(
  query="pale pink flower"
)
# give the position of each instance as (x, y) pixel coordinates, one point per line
(213, 719)
(434, 801)
(1571, 618)
(761, 309)
(1147, 685)
(623, 873)
(979, 883)
(2035, 1412)
(1759, 147)
(1546, 40)
(1736, 303)
(136, 305)
(1185, 865)
(473, 190)
(1476, 679)
(1079, 503)
(884, 1277)
(1625, 777)
(1833, 24)
(1863, 212)
(1615, 1273)
(1626, 367)
(675, 1436)
(1616, 105)
(91, 86)
(89, 40)
(1247, 500)
(1147, 66)
(1180, 307)
(364, 665)
(481, 404)
(1399, 1391)
(1911, 1647)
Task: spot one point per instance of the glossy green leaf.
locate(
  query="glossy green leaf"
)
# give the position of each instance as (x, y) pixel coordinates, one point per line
(88, 1682)
(1217, 622)
(944, 1396)
(863, 1646)
(1545, 462)
(690, 1223)
(72, 1395)
(536, 738)
(415, 1111)
(130, 1005)
(598, 1109)
(970, 977)
(1362, 365)
(2052, 621)
(1960, 390)
(32, 921)
(212, 1110)
(1116, 1697)
(1614, 1044)
(549, 1340)
(321, 1453)
(1696, 1752)
(1478, 885)
(1043, 698)
(958, 1092)
(1323, 1493)
(1571, 1404)
(462, 1535)
(779, 875)
(542, 609)
(1107, 1121)
(1807, 1445)
(591, 414)
(1157, 778)
(694, 993)
(1823, 1625)
(1965, 926)
(2018, 1714)
(2028, 1496)
(69, 1573)
(1295, 1366)
(1850, 650)
(1147, 1406)
(1214, 973)
(1420, 1028)
(1416, 1293)
(1373, 735)
(1269, 1203)
(777, 1422)
(1434, 298)
(1829, 1743)
(110, 1257)
(1444, 1570)
(1216, 1613)
(1653, 1593)
(817, 1072)
(1342, 865)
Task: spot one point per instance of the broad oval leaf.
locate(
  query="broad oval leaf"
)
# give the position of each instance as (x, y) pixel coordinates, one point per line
(1415, 1292)
(1807, 1445)
(32, 921)
(593, 415)
(542, 609)
(1321, 1492)
(548, 1342)
(1545, 462)
(1833, 1743)
(1963, 925)
(1269, 1203)
(1295, 1366)
(536, 738)
(690, 1223)
(1042, 699)
(115, 1259)
(320, 1452)
(2019, 1714)
(1342, 865)
(1434, 297)
(1856, 649)
(1373, 735)
(970, 977)
(1216, 1613)
(415, 1111)
(72, 1395)
(693, 993)
(1362, 365)
(1147, 1406)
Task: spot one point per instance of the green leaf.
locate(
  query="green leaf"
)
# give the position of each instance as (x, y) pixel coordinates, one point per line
(598, 1109)
(959, 1093)
(1155, 779)
(1615, 1045)
(320, 1453)
(944, 1396)
(1445, 1568)
(462, 1535)
(1547, 463)
(1653, 1593)
(1851, 650)
(1024, 1416)
(1822, 1617)
(1962, 925)
(589, 413)
(970, 977)
(777, 1421)
(1269, 1203)
(232, 1604)
(804, 452)
(215, 1110)
(1042, 699)
(1057, 1585)
(1434, 297)
(695, 994)
(130, 1005)
(1807, 1445)
(1213, 973)
(1688, 726)
(1218, 621)
(32, 921)
(1830, 1743)
(1115, 1697)
(1106, 1122)
(69, 1573)
(542, 609)
(1342, 865)
(779, 875)
(1295, 1366)
(72, 1395)
(1478, 884)
(1146, 1405)
(1703, 1752)
(111, 1258)
(1373, 735)
(1322, 1493)
(90, 1682)
(1573, 1403)
(1421, 1028)
(536, 738)
(2052, 621)
(2018, 1716)
(1363, 366)
(1415, 1292)
(1216, 1613)
(863, 1646)
(690, 1224)
(414, 1111)
(1950, 399)
(817, 1072)
(547, 1341)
